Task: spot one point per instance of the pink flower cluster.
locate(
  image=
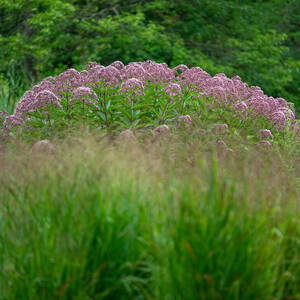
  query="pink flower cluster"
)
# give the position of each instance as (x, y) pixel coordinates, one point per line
(245, 101)
(11, 122)
(173, 89)
(31, 100)
(39, 96)
(86, 95)
(264, 134)
(241, 109)
(161, 130)
(242, 98)
(45, 98)
(277, 110)
(133, 85)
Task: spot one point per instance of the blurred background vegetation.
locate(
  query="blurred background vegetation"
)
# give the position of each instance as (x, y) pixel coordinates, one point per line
(257, 40)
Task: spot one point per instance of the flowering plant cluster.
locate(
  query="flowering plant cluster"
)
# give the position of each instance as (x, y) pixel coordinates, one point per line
(147, 94)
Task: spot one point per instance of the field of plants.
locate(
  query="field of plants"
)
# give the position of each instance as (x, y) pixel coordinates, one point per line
(142, 181)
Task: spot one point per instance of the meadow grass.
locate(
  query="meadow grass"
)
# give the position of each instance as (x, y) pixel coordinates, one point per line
(177, 220)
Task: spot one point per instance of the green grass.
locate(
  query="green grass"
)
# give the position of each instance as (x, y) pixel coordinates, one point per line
(11, 90)
(170, 221)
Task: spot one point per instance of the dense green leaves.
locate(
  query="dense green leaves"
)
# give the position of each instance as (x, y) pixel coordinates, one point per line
(257, 40)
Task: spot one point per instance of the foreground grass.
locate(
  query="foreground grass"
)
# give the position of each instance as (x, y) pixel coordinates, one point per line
(170, 221)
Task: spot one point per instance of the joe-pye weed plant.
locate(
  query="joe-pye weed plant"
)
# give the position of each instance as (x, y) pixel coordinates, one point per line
(196, 198)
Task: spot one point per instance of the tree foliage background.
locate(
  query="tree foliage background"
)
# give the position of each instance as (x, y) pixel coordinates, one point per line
(257, 40)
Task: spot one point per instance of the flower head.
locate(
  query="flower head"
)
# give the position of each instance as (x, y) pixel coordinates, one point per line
(241, 109)
(109, 75)
(173, 89)
(84, 94)
(132, 85)
(161, 130)
(263, 134)
(12, 121)
(157, 73)
(279, 119)
(118, 65)
(45, 98)
(133, 70)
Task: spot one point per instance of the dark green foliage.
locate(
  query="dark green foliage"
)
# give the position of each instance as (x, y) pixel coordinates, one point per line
(257, 40)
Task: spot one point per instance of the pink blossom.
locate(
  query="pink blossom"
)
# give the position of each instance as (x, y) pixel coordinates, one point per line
(133, 70)
(218, 93)
(82, 79)
(256, 91)
(241, 88)
(32, 100)
(45, 98)
(279, 119)
(243, 99)
(161, 130)
(173, 89)
(193, 78)
(282, 102)
(66, 81)
(118, 65)
(84, 94)
(288, 113)
(25, 103)
(273, 104)
(134, 85)
(46, 84)
(84, 73)
(241, 108)
(263, 134)
(109, 75)
(12, 121)
(157, 73)
(94, 74)
(68, 75)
